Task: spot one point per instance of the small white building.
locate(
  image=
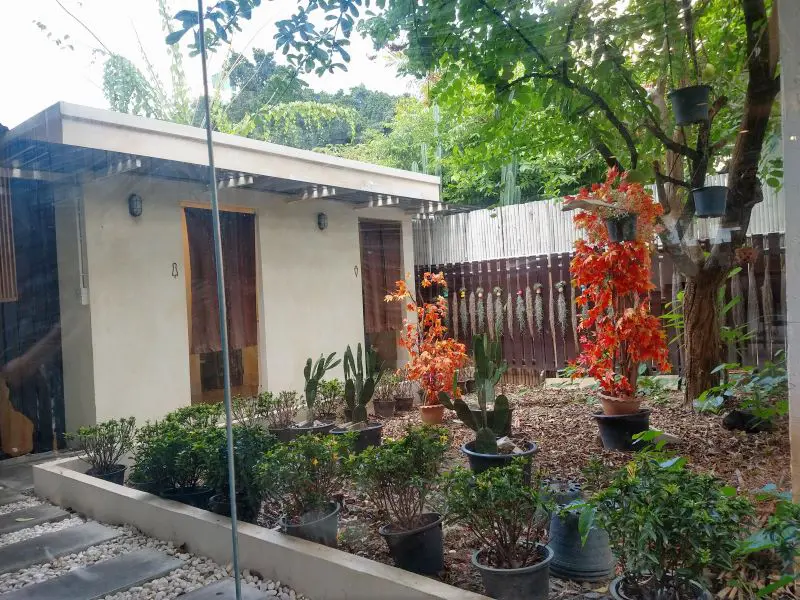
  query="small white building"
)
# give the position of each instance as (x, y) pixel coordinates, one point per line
(312, 243)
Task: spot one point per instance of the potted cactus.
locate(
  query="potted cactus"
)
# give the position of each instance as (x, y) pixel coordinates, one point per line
(313, 373)
(484, 452)
(362, 374)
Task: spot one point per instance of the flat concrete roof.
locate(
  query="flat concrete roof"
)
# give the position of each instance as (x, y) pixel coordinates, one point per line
(246, 162)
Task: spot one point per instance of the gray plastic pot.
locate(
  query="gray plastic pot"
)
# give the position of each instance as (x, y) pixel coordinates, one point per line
(320, 526)
(419, 550)
(525, 583)
(616, 592)
(592, 561)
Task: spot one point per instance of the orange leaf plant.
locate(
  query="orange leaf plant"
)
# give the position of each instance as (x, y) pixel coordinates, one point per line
(433, 357)
(618, 331)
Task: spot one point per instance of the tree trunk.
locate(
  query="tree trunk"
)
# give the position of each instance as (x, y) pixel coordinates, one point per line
(701, 333)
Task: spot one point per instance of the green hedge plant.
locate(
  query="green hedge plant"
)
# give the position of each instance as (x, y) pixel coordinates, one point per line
(105, 443)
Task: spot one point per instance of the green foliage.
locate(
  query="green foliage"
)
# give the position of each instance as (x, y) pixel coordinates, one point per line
(398, 476)
(501, 511)
(667, 524)
(313, 373)
(279, 410)
(304, 474)
(361, 374)
(307, 124)
(489, 369)
(197, 416)
(105, 443)
(330, 396)
(760, 392)
(387, 388)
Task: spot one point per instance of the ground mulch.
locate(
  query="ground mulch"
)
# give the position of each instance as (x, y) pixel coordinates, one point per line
(560, 423)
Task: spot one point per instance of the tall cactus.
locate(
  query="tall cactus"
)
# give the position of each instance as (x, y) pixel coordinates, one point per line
(489, 368)
(314, 375)
(361, 376)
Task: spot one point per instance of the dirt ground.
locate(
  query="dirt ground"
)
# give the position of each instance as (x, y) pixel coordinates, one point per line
(560, 423)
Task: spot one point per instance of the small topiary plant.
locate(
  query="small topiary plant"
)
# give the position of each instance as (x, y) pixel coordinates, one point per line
(105, 443)
(330, 395)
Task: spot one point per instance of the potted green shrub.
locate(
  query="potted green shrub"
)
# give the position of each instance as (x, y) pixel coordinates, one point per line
(362, 374)
(384, 400)
(507, 517)
(104, 445)
(330, 397)
(398, 477)
(313, 373)
(279, 411)
(667, 526)
(489, 423)
(404, 392)
(304, 476)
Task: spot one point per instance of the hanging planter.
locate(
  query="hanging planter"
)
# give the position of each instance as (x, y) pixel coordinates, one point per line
(710, 201)
(690, 104)
(621, 228)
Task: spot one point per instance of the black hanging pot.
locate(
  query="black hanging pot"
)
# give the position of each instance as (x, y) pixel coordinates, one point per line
(197, 496)
(371, 435)
(478, 462)
(709, 201)
(622, 228)
(525, 583)
(690, 104)
(419, 550)
(114, 474)
(320, 526)
(617, 431)
(572, 559)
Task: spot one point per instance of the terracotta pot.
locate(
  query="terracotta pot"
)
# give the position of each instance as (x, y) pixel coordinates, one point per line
(432, 415)
(619, 406)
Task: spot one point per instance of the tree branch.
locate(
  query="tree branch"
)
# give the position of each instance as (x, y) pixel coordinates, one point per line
(671, 144)
(608, 156)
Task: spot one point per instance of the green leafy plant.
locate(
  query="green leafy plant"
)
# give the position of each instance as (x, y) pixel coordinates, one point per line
(489, 368)
(105, 443)
(313, 373)
(647, 386)
(279, 410)
(330, 396)
(667, 524)
(362, 374)
(304, 474)
(197, 416)
(399, 475)
(502, 512)
(387, 388)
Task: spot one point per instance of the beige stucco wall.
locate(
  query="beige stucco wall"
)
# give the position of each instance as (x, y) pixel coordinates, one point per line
(310, 300)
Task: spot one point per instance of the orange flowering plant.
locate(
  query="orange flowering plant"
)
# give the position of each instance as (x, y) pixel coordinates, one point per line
(433, 358)
(618, 331)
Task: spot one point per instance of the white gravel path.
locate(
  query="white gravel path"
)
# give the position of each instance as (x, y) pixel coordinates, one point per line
(30, 532)
(28, 502)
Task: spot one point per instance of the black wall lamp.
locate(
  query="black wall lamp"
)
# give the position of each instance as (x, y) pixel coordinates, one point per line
(135, 205)
(322, 221)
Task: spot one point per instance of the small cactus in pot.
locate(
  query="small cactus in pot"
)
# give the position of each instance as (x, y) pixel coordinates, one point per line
(361, 374)
(313, 373)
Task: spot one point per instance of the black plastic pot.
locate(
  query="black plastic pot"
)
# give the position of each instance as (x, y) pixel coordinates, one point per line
(370, 436)
(419, 550)
(193, 496)
(742, 420)
(690, 104)
(384, 408)
(617, 431)
(295, 431)
(710, 201)
(622, 229)
(563, 492)
(284, 435)
(506, 430)
(478, 463)
(616, 589)
(115, 474)
(525, 583)
(574, 560)
(404, 403)
(150, 486)
(320, 526)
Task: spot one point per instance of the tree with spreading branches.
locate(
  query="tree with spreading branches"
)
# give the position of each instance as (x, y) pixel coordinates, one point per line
(603, 68)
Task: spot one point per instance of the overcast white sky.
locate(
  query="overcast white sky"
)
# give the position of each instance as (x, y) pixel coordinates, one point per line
(37, 73)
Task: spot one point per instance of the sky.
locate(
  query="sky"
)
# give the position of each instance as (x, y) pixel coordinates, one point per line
(38, 73)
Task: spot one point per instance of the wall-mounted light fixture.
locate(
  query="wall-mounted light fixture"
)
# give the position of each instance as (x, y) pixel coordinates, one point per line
(322, 221)
(135, 205)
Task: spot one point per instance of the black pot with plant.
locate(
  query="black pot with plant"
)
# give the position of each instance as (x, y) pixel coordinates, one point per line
(693, 523)
(690, 104)
(484, 451)
(507, 516)
(710, 201)
(104, 445)
(278, 413)
(404, 394)
(383, 401)
(398, 477)
(330, 396)
(362, 375)
(313, 373)
(304, 476)
(621, 227)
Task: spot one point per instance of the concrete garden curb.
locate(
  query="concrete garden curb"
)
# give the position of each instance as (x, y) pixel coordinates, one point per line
(313, 570)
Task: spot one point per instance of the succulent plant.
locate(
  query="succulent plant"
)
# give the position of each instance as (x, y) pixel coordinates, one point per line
(361, 375)
(489, 368)
(314, 375)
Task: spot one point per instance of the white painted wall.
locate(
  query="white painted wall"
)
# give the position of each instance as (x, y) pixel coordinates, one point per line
(310, 301)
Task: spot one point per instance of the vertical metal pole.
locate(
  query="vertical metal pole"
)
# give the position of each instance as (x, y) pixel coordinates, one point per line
(223, 312)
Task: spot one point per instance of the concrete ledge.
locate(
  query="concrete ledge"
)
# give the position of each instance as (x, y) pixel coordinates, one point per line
(314, 570)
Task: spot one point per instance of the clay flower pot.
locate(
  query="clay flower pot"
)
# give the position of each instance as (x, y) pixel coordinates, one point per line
(432, 414)
(619, 406)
